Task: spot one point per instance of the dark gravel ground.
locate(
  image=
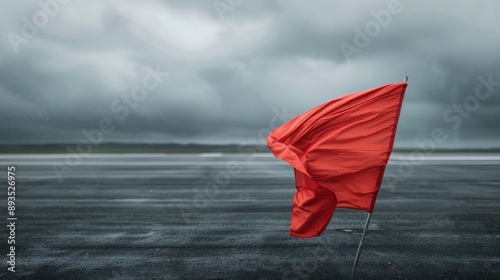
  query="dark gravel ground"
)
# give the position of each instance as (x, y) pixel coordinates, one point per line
(202, 217)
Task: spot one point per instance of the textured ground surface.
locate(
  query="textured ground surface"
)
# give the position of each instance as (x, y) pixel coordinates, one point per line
(196, 217)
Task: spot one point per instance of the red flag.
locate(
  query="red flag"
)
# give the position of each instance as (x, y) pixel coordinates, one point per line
(339, 151)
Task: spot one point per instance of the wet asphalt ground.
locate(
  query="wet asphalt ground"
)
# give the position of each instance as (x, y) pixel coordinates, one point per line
(217, 216)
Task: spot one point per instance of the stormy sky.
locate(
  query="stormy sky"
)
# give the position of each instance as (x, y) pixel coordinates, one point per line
(228, 71)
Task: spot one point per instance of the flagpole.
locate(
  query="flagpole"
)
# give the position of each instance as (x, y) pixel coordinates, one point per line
(358, 253)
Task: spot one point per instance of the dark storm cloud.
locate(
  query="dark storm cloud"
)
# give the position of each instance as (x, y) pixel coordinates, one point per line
(233, 65)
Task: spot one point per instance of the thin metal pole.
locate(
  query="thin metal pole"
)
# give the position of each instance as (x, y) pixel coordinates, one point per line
(360, 245)
(358, 253)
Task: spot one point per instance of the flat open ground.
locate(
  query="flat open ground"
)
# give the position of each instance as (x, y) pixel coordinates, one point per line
(144, 216)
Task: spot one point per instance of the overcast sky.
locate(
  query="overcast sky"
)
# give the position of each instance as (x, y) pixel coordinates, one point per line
(235, 66)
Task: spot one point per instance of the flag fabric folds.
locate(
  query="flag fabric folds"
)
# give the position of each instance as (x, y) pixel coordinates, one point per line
(339, 151)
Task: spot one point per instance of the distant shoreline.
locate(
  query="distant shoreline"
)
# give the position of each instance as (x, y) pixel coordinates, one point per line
(177, 148)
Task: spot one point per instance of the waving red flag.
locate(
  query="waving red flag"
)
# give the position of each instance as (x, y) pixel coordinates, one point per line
(339, 151)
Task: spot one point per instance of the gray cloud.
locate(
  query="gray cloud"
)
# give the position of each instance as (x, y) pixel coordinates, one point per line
(228, 73)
